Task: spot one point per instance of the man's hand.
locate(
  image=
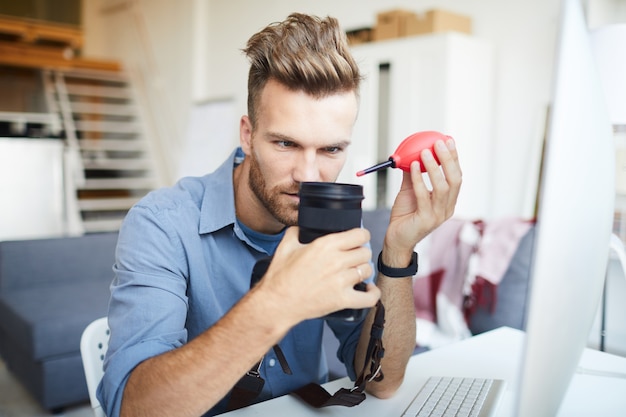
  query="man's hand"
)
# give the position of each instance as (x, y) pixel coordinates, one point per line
(315, 279)
(418, 210)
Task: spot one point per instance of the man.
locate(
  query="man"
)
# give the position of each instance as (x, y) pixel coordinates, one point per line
(185, 325)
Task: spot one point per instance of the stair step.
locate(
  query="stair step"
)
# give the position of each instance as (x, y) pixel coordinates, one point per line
(103, 144)
(118, 184)
(104, 109)
(99, 91)
(106, 126)
(97, 204)
(122, 164)
(106, 225)
(91, 75)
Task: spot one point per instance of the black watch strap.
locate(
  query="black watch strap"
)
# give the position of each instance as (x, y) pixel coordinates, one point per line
(390, 272)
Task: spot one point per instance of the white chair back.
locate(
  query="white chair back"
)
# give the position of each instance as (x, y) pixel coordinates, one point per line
(93, 346)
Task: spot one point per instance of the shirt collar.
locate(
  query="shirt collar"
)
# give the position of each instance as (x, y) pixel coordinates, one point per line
(218, 202)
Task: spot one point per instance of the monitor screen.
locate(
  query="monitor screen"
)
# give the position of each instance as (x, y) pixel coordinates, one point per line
(574, 222)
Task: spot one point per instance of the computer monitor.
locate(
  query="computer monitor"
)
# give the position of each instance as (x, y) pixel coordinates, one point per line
(574, 223)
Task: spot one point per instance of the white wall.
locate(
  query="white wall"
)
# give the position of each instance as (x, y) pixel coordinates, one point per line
(521, 32)
(605, 12)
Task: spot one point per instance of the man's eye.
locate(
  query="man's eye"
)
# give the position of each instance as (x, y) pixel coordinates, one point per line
(284, 143)
(333, 149)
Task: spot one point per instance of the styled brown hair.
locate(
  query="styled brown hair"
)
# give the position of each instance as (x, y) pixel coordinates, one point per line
(304, 53)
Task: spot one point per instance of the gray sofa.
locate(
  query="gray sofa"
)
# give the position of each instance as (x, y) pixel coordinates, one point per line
(50, 290)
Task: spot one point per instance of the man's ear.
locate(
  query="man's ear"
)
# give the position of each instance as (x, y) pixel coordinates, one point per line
(245, 134)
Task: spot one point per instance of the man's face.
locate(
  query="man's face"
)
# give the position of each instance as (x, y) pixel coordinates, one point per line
(298, 138)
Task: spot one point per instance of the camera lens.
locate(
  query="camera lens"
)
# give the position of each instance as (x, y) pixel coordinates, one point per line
(327, 207)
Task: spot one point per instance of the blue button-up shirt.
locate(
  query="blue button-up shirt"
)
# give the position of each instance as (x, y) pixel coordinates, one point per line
(182, 261)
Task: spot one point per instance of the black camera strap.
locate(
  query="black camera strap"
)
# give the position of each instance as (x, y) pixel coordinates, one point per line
(251, 384)
(316, 396)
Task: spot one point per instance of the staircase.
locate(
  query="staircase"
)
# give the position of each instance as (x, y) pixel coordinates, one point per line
(109, 167)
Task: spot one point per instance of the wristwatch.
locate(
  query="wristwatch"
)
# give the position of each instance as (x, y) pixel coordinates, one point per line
(390, 272)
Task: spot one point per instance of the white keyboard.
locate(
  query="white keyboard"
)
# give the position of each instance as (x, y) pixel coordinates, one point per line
(446, 396)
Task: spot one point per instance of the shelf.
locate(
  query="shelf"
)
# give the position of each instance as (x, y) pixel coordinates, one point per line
(24, 117)
(35, 31)
(20, 121)
(33, 56)
(35, 44)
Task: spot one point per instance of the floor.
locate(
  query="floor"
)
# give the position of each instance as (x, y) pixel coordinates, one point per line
(15, 401)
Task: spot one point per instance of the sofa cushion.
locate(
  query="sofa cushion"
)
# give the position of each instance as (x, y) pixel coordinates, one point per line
(512, 293)
(48, 320)
(55, 382)
(29, 263)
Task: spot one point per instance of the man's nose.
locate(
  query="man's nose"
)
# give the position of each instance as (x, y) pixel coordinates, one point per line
(306, 168)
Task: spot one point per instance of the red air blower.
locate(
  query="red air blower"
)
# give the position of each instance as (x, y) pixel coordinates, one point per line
(408, 151)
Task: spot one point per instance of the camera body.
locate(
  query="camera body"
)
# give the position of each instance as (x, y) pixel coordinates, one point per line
(325, 207)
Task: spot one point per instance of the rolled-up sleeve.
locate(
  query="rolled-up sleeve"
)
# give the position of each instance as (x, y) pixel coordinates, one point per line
(148, 305)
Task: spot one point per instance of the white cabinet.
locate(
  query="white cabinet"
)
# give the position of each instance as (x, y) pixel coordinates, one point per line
(31, 186)
(440, 82)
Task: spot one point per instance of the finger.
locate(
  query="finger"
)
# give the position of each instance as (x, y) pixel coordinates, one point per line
(344, 241)
(446, 180)
(371, 294)
(359, 273)
(449, 158)
(447, 186)
(354, 275)
(356, 268)
(363, 299)
(363, 272)
(420, 189)
(345, 257)
(435, 172)
(289, 242)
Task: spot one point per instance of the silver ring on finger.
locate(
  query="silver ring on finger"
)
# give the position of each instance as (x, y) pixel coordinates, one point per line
(358, 271)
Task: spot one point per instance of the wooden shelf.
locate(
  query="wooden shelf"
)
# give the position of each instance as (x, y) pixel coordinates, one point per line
(35, 31)
(36, 44)
(32, 56)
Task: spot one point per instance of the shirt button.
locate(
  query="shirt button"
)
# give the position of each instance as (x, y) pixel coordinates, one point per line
(272, 362)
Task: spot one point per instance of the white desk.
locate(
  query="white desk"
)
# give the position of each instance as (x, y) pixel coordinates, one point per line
(494, 354)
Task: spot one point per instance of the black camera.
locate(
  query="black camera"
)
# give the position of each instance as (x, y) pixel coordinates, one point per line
(329, 207)
(325, 207)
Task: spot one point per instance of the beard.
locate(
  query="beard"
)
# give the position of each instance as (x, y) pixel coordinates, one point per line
(285, 213)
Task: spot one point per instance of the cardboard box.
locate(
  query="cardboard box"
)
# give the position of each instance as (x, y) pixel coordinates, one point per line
(359, 36)
(392, 24)
(437, 21)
